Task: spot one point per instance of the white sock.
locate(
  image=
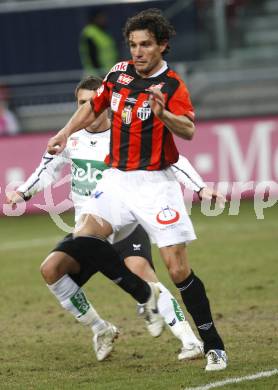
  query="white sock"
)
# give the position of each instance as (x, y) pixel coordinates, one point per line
(73, 299)
(174, 317)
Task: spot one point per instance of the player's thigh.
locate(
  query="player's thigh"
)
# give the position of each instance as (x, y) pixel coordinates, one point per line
(141, 267)
(176, 259)
(136, 243)
(56, 265)
(92, 225)
(104, 212)
(135, 251)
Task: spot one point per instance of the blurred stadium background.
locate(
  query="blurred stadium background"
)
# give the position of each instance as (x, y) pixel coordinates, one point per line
(227, 52)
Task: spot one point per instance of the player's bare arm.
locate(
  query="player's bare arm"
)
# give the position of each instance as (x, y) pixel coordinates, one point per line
(177, 124)
(82, 118)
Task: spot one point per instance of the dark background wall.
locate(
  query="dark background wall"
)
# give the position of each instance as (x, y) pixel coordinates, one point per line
(41, 41)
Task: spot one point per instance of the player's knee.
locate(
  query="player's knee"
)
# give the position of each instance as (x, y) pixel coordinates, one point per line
(177, 263)
(50, 271)
(177, 272)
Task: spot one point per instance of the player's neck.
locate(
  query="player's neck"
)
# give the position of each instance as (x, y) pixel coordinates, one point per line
(156, 71)
(103, 126)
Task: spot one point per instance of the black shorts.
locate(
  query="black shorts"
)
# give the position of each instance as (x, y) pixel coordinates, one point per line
(87, 266)
(136, 244)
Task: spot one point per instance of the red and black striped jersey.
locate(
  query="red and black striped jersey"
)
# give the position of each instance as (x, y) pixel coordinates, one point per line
(139, 140)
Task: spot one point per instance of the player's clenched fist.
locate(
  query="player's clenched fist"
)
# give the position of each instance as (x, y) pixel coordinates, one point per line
(208, 193)
(57, 143)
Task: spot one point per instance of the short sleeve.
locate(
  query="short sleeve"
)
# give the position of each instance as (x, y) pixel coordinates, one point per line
(101, 100)
(180, 103)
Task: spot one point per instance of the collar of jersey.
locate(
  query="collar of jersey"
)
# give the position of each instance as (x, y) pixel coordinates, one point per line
(159, 72)
(99, 132)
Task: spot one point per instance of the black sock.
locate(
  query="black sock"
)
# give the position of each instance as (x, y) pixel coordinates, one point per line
(194, 297)
(108, 262)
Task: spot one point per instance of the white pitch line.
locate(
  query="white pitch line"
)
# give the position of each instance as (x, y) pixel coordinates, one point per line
(13, 245)
(213, 385)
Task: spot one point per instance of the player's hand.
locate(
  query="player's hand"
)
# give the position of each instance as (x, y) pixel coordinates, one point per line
(208, 193)
(157, 102)
(14, 197)
(57, 143)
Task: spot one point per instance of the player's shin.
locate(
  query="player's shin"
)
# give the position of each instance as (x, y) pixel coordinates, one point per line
(73, 299)
(108, 262)
(174, 317)
(194, 296)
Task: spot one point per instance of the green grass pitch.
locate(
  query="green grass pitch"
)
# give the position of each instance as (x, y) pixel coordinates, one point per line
(43, 347)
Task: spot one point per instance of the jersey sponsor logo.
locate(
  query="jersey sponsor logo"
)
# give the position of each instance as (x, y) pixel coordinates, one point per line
(167, 216)
(145, 111)
(100, 90)
(93, 143)
(127, 115)
(115, 101)
(136, 247)
(158, 86)
(124, 79)
(120, 66)
(85, 175)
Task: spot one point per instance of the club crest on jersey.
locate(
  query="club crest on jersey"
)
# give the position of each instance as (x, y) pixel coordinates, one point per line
(124, 79)
(145, 111)
(127, 115)
(115, 101)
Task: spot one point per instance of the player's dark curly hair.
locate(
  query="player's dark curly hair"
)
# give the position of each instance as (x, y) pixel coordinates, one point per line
(90, 83)
(153, 20)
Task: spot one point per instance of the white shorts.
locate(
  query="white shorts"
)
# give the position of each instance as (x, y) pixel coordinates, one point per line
(152, 198)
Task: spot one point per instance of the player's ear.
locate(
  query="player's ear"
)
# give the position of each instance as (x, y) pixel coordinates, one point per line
(163, 46)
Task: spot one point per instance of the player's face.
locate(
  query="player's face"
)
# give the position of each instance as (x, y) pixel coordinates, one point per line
(146, 52)
(100, 124)
(84, 95)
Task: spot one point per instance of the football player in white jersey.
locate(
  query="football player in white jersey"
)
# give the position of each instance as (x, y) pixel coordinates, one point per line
(64, 276)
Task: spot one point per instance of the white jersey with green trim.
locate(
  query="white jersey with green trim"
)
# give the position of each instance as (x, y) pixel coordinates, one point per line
(86, 151)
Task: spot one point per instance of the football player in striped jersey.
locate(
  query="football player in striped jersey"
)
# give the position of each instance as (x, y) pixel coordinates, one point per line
(149, 104)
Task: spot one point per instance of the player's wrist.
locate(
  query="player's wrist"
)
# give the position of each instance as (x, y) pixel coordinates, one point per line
(164, 115)
(200, 192)
(65, 132)
(24, 195)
